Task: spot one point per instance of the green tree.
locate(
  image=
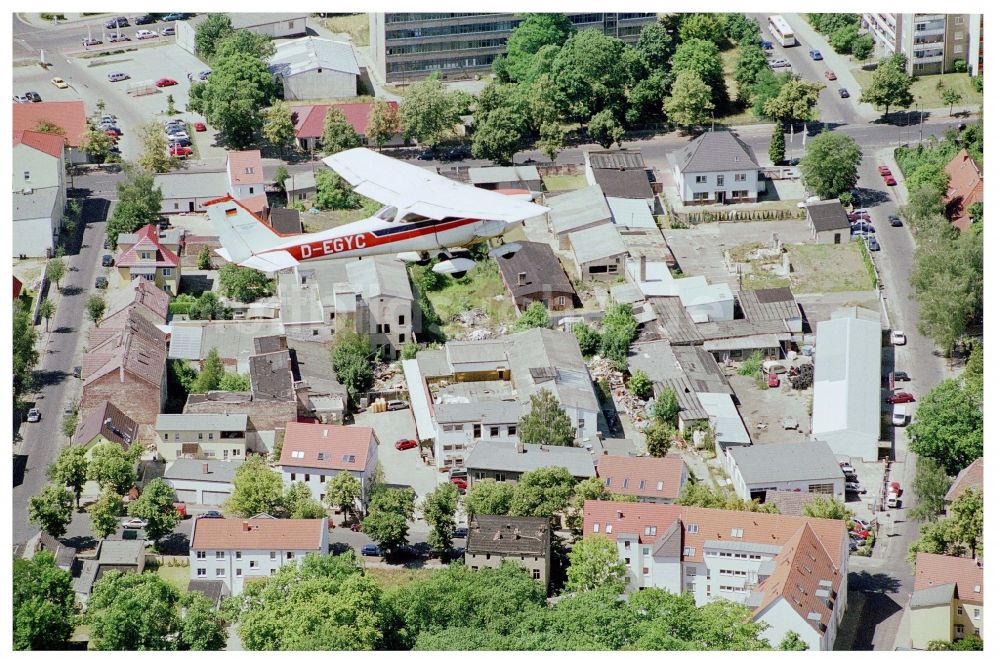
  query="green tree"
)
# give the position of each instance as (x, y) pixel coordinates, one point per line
(546, 422)
(702, 57)
(690, 101)
(502, 120)
(543, 492)
(489, 498)
(973, 373)
(766, 87)
(388, 514)
(588, 339)
(551, 140)
(332, 192)
(795, 101)
(171, 108)
(208, 306)
(619, 330)
(97, 144)
(209, 33)
(842, 39)
(384, 122)
(830, 165)
(46, 310)
(588, 489)
(534, 316)
(43, 603)
(967, 515)
(48, 127)
(351, 356)
(862, 47)
(113, 468)
(696, 494)
(930, 485)
(951, 97)
(890, 86)
(827, 507)
(751, 62)
(95, 308)
(343, 491)
(256, 489)
(947, 278)
(204, 259)
(55, 270)
(594, 563)
(51, 509)
(244, 42)
(156, 507)
(409, 350)
(640, 385)
(531, 34)
(233, 99)
(25, 355)
(244, 284)
(605, 130)
(654, 48)
(948, 426)
(70, 469)
(104, 513)
(338, 133)
(430, 113)
(439, 508)
(211, 373)
(666, 407)
(725, 624)
(967, 643)
(233, 381)
(645, 98)
(707, 27)
(280, 176)
(138, 203)
(658, 438)
(588, 73)
(299, 503)
(201, 627)
(792, 642)
(69, 423)
(776, 153)
(279, 130)
(131, 611)
(154, 155)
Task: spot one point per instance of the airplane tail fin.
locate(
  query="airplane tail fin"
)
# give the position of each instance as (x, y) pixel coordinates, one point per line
(241, 232)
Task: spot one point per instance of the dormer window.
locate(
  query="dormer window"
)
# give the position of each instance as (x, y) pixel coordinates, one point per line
(248, 171)
(27, 175)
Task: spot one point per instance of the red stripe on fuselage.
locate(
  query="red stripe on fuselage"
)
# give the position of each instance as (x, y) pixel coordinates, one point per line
(350, 242)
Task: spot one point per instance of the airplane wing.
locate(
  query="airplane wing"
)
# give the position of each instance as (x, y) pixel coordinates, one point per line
(395, 183)
(271, 262)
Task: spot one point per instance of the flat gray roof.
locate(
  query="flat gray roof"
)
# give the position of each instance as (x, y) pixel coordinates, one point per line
(502, 174)
(183, 185)
(201, 422)
(793, 461)
(600, 242)
(503, 456)
(40, 203)
(577, 209)
(490, 412)
(189, 469)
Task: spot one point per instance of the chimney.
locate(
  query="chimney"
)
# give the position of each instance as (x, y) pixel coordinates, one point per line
(642, 268)
(246, 526)
(519, 447)
(522, 279)
(204, 468)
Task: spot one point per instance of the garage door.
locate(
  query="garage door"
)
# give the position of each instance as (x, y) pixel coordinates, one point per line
(188, 496)
(214, 497)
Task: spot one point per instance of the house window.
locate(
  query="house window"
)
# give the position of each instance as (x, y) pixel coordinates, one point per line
(201, 436)
(239, 555)
(167, 272)
(737, 532)
(642, 484)
(239, 572)
(975, 613)
(607, 528)
(597, 528)
(307, 478)
(202, 573)
(177, 436)
(536, 574)
(211, 435)
(701, 179)
(959, 20)
(740, 194)
(690, 571)
(959, 49)
(580, 424)
(475, 568)
(291, 24)
(959, 36)
(293, 476)
(322, 478)
(650, 530)
(740, 177)
(825, 488)
(645, 551)
(645, 571)
(288, 555)
(219, 573)
(272, 571)
(253, 564)
(487, 556)
(251, 190)
(402, 320)
(27, 175)
(659, 485)
(689, 551)
(402, 337)
(274, 555)
(690, 587)
(477, 431)
(959, 630)
(628, 546)
(607, 482)
(236, 452)
(628, 560)
(701, 196)
(248, 170)
(692, 529)
(500, 476)
(494, 431)
(511, 430)
(200, 555)
(720, 180)
(625, 483)
(219, 555)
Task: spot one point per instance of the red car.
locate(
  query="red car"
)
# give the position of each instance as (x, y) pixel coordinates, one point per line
(461, 483)
(896, 398)
(180, 151)
(830, 75)
(773, 381)
(894, 487)
(884, 170)
(356, 527)
(200, 127)
(113, 132)
(863, 534)
(163, 83)
(889, 180)
(854, 217)
(405, 444)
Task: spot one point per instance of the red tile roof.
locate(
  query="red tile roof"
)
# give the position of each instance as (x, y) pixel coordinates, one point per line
(140, 293)
(341, 447)
(970, 477)
(18, 287)
(107, 420)
(646, 476)
(149, 239)
(238, 163)
(965, 187)
(138, 348)
(50, 144)
(966, 572)
(309, 120)
(258, 534)
(70, 116)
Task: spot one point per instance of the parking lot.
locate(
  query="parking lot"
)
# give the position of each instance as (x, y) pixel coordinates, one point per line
(401, 467)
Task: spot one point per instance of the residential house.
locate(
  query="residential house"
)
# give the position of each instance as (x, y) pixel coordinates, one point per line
(263, 415)
(703, 301)
(575, 211)
(828, 221)
(272, 24)
(507, 461)
(386, 303)
(63, 556)
(965, 188)
(621, 174)
(947, 599)
(848, 383)
(506, 178)
(599, 253)
(189, 192)
(932, 43)
(245, 172)
(141, 296)
(806, 467)
(149, 258)
(106, 424)
(233, 340)
(273, 376)
(202, 436)
(128, 367)
(494, 540)
(67, 116)
(792, 571)
(201, 481)
(39, 190)
(648, 479)
(461, 424)
(534, 274)
(285, 221)
(111, 555)
(301, 187)
(969, 478)
(316, 452)
(309, 122)
(233, 550)
(312, 68)
(717, 167)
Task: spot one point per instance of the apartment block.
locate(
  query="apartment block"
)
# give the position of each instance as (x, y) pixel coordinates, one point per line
(932, 43)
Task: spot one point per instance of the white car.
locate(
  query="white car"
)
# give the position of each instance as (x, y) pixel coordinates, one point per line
(897, 338)
(145, 34)
(848, 468)
(134, 523)
(34, 415)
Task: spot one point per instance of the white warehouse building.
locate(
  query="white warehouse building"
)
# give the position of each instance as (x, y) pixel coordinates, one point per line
(807, 467)
(314, 68)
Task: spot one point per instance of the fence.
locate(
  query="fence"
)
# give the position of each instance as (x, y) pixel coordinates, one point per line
(749, 215)
(43, 291)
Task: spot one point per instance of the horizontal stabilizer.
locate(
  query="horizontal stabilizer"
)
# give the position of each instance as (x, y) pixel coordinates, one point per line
(271, 262)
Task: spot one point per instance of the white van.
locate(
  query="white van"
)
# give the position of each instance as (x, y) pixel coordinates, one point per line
(899, 415)
(774, 367)
(117, 76)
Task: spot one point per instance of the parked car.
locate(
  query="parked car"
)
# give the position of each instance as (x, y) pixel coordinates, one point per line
(894, 221)
(395, 405)
(889, 180)
(33, 96)
(897, 338)
(371, 550)
(177, 150)
(893, 502)
(168, 31)
(861, 534)
(114, 77)
(900, 376)
(90, 41)
(461, 483)
(815, 54)
(114, 39)
(862, 226)
(863, 524)
(456, 153)
(873, 245)
(117, 22)
(428, 154)
(895, 489)
(854, 487)
(173, 123)
(164, 83)
(460, 533)
(355, 527)
(852, 545)
(778, 63)
(175, 16)
(843, 93)
(901, 397)
(59, 83)
(830, 75)
(404, 444)
(180, 140)
(773, 381)
(34, 415)
(113, 132)
(145, 19)
(847, 468)
(883, 170)
(200, 127)
(21, 99)
(101, 283)
(145, 34)
(107, 260)
(856, 215)
(766, 45)
(134, 523)
(211, 514)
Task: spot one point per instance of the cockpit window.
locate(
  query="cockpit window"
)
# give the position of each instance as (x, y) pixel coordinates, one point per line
(387, 213)
(413, 217)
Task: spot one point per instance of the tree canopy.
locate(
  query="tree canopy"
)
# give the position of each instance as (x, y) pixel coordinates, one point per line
(389, 511)
(546, 422)
(43, 603)
(594, 563)
(235, 97)
(138, 203)
(890, 86)
(256, 489)
(351, 356)
(830, 165)
(430, 113)
(948, 426)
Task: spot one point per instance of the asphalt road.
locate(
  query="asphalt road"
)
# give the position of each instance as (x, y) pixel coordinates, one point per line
(30, 39)
(60, 353)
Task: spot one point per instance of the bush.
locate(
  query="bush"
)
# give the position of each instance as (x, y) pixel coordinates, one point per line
(409, 351)
(977, 83)
(961, 67)
(751, 366)
(640, 385)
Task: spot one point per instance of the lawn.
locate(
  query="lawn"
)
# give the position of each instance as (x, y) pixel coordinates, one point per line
(925, 90)
(481, 288)
(826, 268)
(564, 183)
(736, 114)
(355, 25)
(391, 579)
(179, 577)
(328, 219)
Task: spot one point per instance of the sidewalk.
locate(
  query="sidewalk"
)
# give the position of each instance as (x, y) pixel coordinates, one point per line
(37, 21)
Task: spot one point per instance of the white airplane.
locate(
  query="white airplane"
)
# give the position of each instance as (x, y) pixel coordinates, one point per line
(424, 215)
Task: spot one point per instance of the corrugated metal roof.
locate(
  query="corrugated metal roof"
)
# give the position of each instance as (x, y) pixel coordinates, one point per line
(793, 461)
(502, 174)
(204, 422)
(185, 342)
(577, 209)
(725, 418)
(595, 243)
(310, 53)
(503, 456)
